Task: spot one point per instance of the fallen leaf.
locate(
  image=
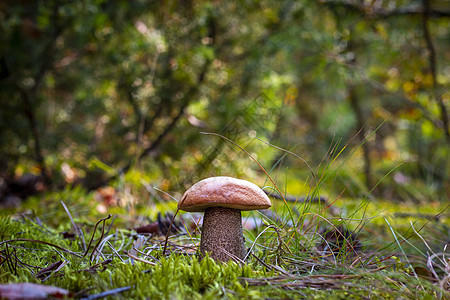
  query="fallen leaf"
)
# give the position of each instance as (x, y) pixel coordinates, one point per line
(152, 228)
(424, 273)
(160, 227)
(68, 235)
(30, 291)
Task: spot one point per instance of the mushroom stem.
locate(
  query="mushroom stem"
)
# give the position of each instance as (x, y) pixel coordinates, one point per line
(222, 234)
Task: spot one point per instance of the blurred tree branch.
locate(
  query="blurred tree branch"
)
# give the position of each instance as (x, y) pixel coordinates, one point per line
(248, 75)
(425, 12)
(433, 67)
(188, 97)
(29, 95)
(372, 10)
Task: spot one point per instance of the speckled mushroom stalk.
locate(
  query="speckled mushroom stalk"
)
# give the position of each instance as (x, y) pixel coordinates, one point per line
(222, 235)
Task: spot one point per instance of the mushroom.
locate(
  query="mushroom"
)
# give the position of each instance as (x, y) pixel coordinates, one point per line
(222, 199)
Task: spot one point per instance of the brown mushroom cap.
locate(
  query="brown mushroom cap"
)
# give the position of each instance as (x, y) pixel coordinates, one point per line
(225, 192)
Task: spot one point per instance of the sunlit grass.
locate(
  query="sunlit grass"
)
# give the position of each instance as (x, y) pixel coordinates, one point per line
(347, 247)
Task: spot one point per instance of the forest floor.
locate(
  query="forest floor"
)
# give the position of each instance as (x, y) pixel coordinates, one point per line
(108, 243)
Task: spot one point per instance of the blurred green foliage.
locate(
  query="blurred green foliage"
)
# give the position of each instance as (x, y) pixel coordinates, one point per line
(92, 89)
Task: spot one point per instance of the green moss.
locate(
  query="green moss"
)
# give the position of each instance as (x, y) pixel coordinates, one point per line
(183, 276)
